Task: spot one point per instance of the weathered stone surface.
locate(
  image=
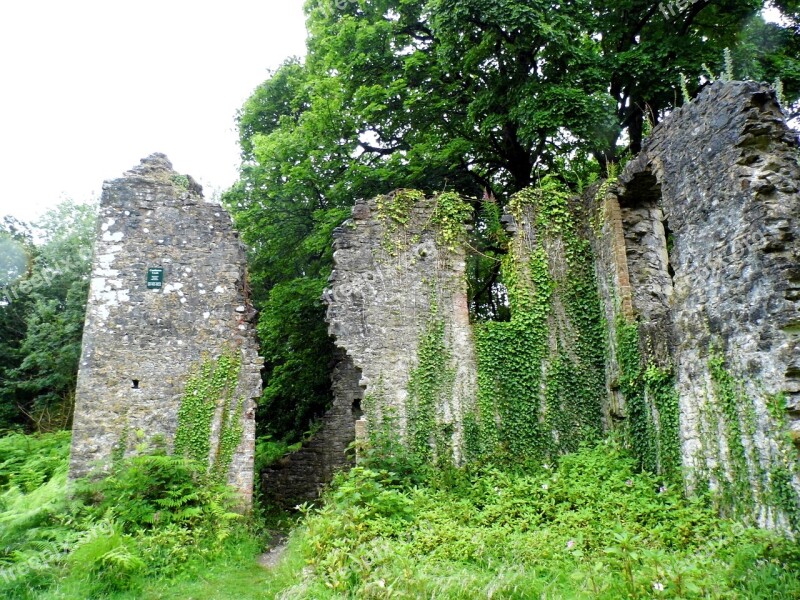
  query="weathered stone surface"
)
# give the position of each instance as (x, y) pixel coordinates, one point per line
(709, 216)
(386, 288)
(299, 477)
(139, 344)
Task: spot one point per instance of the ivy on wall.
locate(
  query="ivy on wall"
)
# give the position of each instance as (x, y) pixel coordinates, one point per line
(741, 479)
(653, 412)
(210, 388)
(448, 219)
(430, 386)
(431, 382)
(541, 375)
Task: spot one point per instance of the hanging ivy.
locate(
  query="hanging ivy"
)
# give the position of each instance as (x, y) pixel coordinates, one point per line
(209, 388)
(448, 218)
(748, 482)
(541, 375)
(653, 411)
(430, 386)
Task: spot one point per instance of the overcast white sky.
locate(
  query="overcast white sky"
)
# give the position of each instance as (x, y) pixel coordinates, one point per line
(89, 87)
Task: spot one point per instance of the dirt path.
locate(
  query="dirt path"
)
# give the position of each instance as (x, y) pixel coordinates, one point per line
(277, 546)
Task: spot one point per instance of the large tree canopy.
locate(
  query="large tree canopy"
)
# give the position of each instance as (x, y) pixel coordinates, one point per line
(478, 96)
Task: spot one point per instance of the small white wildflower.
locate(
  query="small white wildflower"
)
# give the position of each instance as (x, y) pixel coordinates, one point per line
(658, 586)
(662, 489)
(381, 583)
(629, 483)
(546, 466)
(544, 486)
(570, 544)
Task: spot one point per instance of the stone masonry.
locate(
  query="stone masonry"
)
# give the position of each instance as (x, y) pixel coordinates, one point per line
(168, 288)
(389, 283)
(299, 477)
(701, 245)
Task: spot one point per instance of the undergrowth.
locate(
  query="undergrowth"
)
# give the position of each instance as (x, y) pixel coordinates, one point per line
(153, 517)
(592, 526)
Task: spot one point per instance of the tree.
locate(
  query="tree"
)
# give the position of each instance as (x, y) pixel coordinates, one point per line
(44, 321)
(482, 97)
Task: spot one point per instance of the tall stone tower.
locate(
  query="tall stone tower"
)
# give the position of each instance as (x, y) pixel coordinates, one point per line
(168, 290)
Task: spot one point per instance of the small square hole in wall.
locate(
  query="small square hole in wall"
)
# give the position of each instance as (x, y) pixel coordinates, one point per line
(135, 384)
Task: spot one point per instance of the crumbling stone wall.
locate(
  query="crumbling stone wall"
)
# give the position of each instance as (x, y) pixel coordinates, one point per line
(300, 476)
(701, 245)
(142, 337)
(393, 282)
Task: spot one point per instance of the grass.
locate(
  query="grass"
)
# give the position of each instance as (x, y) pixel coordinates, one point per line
(591, 527)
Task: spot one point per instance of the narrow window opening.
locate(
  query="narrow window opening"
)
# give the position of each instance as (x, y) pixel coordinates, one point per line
(670, 238)
(648, 248)
(136, 384)
(357, 412)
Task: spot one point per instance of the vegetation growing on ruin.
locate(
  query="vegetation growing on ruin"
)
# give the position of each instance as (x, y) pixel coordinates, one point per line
(430, 387)
(418, 95)
(749, 482)
(510, 101)
(533, 403)
(208, 391)
(447, 220)
(651, 400)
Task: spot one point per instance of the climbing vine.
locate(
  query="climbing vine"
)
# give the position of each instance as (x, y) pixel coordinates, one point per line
(430, 385)
(653, 412)
(211, 386)
(729, 395)
(541, 378)
(748, 483)
(449, 217)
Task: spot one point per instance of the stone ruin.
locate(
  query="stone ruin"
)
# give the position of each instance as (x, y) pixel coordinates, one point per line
(701, 246)
(386, 289)
(697, 245)
(168, 288)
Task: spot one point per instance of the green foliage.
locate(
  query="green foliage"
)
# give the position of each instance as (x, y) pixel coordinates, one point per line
(478, 98)
(41, 322)
(450, 217)
(747, 483)
(210, 386)
(182, 181)
(29, 461)
(533, 402)
(299, 353)
(430, 386)
(109, 562)
(729, 396)
(154, 517)
(653, 427)
(592, 527)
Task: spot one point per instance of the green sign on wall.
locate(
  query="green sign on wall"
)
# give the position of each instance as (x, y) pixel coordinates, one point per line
(155, 278)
